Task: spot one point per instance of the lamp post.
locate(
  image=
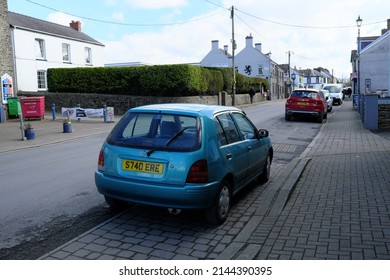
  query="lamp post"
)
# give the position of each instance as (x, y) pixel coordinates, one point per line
(293, 76)
(359, 24)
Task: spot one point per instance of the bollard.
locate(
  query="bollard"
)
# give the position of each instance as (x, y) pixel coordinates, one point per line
(78, 106)
(53, 111)
(105, 113)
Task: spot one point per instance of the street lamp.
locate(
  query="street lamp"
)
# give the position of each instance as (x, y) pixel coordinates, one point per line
(293, 78)
(359, 24)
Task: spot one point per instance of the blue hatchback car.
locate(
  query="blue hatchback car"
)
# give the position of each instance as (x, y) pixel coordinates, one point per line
(183, 156)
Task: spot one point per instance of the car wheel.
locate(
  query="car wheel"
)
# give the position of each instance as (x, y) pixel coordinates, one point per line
(219, 211)
(264, 177)
(116, 203)
(326, 115)
(287, 117)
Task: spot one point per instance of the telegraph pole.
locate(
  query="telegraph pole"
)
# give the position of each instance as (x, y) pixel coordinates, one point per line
(233, 66)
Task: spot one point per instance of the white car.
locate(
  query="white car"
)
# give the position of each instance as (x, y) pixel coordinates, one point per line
(336, 91)
(329, 99)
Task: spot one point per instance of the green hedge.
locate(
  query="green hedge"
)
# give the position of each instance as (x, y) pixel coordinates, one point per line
(161, 80)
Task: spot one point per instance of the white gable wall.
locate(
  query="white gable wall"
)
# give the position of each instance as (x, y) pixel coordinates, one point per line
(375, 65)
(216, 57)
(251, 58)
(27, 64)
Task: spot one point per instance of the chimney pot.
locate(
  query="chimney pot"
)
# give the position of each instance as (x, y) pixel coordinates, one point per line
(75, 25)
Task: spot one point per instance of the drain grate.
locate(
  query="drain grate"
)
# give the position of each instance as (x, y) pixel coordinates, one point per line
(284, 148)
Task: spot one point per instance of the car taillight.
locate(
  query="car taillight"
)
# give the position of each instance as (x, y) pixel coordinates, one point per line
(199, 172)
(101, 161)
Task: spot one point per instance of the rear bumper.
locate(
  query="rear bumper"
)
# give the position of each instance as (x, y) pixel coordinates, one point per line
(292, 113)
(191, 196)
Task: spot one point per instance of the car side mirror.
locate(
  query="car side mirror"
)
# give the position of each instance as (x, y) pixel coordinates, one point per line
(263, 133)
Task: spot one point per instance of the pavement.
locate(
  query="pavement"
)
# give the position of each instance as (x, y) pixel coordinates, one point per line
(332, 202)
(49, 131)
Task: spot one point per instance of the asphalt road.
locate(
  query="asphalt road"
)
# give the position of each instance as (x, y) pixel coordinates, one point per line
(44, 184)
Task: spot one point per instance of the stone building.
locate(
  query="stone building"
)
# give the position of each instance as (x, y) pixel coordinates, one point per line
(6, 64)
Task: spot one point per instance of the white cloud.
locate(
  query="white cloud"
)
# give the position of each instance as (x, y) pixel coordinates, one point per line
(62, 18)
(156, 4)
(118, 16)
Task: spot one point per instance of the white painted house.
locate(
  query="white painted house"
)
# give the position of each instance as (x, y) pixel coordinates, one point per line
(375, 65)
(251, 62)
(217, 57)
(39, 45)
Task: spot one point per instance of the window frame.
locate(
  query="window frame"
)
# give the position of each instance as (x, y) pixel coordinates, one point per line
(66, 54)
(42, 74)
(40, 49)
(88, 55)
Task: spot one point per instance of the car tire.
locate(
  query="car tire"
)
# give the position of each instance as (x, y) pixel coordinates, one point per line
(287, 117)
(265, 175)
(219, 211)
(115, 203)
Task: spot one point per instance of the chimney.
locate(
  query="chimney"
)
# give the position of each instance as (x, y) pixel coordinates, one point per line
(214, 45)
(249, 41)
(258, 46)
(76, 25)
(226, 48)
(388, 27)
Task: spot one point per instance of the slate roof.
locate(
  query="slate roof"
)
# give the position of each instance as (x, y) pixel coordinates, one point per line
(46, 27)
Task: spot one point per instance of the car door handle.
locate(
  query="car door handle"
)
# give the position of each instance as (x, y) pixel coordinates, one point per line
(249, 148)
(229, 156)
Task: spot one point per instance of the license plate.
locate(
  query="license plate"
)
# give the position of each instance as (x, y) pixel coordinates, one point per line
(303, 103)
(143, 166)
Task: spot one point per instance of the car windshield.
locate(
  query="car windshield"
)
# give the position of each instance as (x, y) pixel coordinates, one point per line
(304, 94)
(333, 89)
(157, 132)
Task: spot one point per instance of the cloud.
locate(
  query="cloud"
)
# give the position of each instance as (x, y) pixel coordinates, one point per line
(118, 16)
(156, 4)
(61, 18)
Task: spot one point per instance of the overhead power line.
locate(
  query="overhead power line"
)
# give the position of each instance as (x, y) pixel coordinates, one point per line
(122, 23)
(306, 26)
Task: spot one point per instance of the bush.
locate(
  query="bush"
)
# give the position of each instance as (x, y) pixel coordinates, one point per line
(160, 80)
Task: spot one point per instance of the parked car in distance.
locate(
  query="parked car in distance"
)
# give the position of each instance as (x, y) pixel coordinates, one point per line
(336, 91)
(183, 156)
(329, 99)
(306, 102)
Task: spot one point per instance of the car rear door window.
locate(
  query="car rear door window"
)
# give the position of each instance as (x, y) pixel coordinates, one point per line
(229, 133)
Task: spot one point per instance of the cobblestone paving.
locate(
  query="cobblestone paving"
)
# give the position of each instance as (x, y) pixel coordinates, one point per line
(340, 208)
(151, 233)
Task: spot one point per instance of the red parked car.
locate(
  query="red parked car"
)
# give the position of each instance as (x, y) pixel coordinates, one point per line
(306, 102)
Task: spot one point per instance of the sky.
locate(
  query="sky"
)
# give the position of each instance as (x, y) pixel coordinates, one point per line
(315, 33)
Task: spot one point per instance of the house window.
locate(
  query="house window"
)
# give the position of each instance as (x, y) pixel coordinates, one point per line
(41, 74)
(65, 52)
(88, 55)
(40, 52)
(260, 70)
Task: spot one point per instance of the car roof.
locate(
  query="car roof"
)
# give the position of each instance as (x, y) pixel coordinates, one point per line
(192, 108)
(306, 89)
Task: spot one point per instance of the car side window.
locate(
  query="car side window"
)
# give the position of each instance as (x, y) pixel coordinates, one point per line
(247, 129)
(229, 133)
